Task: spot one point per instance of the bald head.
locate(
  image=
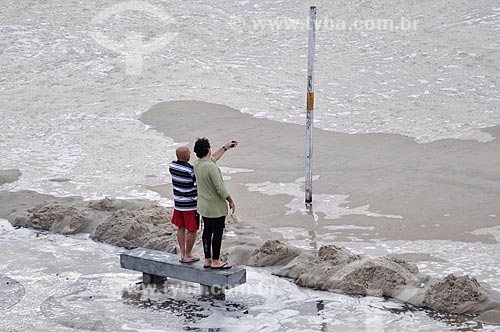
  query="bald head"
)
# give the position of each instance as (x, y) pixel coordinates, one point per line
(183, 153)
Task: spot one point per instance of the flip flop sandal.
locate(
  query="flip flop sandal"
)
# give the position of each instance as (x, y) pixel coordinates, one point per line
(224, 266)
(192, 260)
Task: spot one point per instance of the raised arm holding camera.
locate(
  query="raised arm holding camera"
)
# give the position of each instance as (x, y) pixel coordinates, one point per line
(212, 197)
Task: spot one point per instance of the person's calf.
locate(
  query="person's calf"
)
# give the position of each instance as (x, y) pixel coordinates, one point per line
(190, 241)
(181, 238)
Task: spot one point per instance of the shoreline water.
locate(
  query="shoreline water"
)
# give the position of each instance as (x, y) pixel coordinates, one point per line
(88, 278)
(70, 125)
(272, 182)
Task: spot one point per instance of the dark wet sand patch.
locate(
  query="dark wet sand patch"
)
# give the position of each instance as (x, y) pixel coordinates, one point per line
(443, 190)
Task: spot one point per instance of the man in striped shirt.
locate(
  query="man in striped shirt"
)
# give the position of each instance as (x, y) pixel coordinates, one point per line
(185, 201)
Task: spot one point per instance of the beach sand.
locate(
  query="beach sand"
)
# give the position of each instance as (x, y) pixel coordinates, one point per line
(437, 191)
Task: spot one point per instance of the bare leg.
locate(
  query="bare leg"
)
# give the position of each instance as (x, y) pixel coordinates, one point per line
(190, 240)
(181, 237)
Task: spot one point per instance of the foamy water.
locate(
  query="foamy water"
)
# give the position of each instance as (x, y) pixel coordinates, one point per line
(70, 111)
(57, 283)
(332, 206)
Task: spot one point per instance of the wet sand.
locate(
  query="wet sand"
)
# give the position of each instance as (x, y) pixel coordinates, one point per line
(442, 190)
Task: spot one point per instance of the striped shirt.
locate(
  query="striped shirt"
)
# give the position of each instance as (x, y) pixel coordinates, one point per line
(184, 184)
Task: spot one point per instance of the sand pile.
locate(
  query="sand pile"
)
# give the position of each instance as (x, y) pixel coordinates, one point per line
(336, 269)
(113, 204)
(273, 252)
(105, 204)
(463, 295)
(241, 251)
(455, 294)
(55, 218)
(149, 227)
(123, 223)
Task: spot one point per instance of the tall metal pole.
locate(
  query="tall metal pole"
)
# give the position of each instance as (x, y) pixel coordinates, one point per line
(310, 104)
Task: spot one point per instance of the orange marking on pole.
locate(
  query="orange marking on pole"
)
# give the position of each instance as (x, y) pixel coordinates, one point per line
(310, 101)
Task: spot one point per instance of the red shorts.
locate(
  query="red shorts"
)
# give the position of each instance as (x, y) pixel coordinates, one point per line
(188, 219)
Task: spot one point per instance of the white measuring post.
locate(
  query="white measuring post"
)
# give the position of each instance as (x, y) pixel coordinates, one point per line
(310, 104)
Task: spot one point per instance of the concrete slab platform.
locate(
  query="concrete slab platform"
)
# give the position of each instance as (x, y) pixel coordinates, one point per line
(154, 263)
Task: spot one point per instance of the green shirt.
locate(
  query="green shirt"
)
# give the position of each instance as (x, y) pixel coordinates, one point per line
(212, 192)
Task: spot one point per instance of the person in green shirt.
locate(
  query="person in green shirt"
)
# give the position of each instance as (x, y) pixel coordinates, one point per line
(213, 198)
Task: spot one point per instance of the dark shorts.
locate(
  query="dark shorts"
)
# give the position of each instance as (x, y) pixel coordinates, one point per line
(188, 219)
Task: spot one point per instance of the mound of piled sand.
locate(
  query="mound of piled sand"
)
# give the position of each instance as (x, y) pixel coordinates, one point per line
(128, 224)
(66, 215)
(55, 218)
(245, 252)
(149, 227)
(112, 204)
(123, 223)
(105, 204)
(457, 295)
(273, 252)
(336, 269)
